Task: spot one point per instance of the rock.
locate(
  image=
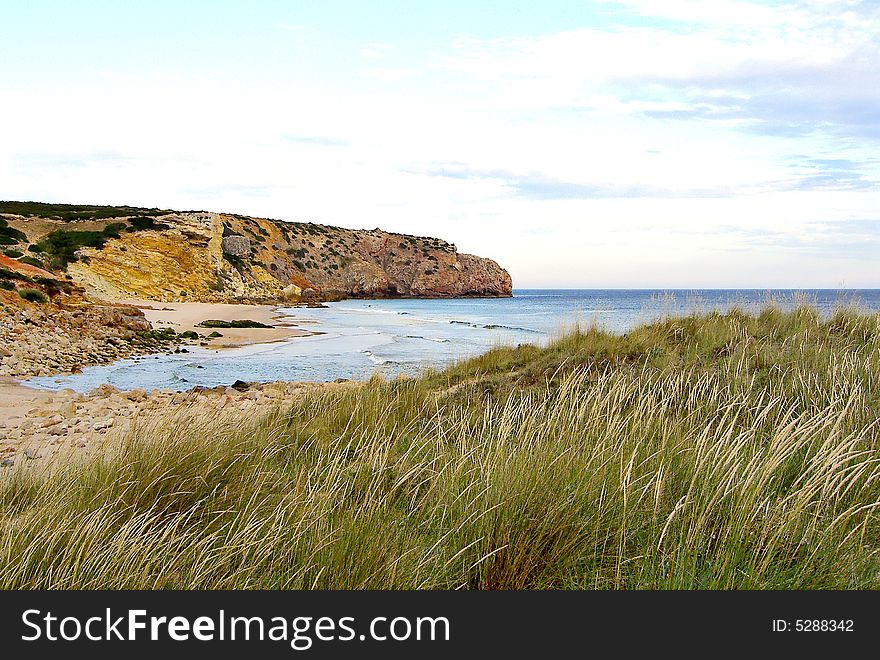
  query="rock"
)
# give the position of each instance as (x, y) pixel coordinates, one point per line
(291, 293)
(236, 245)
(135, 395)
(31, 454)
(104, 390)
(102, 424)
(241, 386)
(68, 410)
(7, 462)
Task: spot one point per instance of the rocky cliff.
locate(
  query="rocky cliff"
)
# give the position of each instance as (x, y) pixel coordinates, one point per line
(218, 257)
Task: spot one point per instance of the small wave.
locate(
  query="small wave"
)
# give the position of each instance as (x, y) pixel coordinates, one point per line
(373, 358)
(434, 339)
(495, 326)
(467, 323)
(367, 310)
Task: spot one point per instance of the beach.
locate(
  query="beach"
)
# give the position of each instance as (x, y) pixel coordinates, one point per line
(36, 424)
(347, 340)
(186, 317)
(38, 427)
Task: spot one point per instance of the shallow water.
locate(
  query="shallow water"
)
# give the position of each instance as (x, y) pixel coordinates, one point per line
(361, 337)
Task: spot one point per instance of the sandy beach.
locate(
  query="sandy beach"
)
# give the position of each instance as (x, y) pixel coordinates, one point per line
(183, 317)
(40, 423)
(16, 399)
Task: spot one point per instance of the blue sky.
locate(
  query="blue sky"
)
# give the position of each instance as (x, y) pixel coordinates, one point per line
(628, 143)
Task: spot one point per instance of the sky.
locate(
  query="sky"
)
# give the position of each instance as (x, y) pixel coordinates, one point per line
(629, 143)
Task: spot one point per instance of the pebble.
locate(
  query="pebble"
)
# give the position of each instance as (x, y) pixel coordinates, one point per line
(106, 410)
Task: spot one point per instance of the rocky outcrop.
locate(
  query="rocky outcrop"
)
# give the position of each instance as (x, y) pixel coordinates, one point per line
(237, 246)
(47, 339)
(70, 422)
(220, 258)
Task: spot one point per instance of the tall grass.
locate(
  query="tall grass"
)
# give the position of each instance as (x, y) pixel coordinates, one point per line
(717, 451)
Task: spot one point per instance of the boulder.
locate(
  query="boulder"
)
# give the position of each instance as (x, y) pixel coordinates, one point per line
(236, 245)
(291, 292)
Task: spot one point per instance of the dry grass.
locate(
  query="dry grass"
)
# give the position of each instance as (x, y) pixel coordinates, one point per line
(713, 451)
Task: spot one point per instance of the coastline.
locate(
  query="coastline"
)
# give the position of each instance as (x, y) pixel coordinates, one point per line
(185, 317)
(37, 423)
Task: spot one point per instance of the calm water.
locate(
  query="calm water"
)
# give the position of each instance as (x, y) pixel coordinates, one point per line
(394, 336)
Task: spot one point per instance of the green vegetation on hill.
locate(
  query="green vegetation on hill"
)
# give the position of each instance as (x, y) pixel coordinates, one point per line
(33, 295)
(713, 451)
(7, 274)
(60, 246)
(70, 212)
(10, 235)
(142, 222)
(32, 261)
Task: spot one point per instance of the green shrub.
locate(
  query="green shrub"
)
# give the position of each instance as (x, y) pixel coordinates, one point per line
(70, 212)
(33, 295)
(9, 235)
(113, 229)
(14, 254)
(31, 261)
(237, 262)
(61, 245)
(6, 284)
(7, 274)
(143, 223)
(244, 323)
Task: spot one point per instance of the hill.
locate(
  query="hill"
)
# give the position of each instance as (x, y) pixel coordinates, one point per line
(128, 252)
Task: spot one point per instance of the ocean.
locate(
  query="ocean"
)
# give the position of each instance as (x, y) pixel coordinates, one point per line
(362, 337)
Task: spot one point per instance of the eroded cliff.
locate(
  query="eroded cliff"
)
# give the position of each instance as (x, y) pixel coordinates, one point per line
(221, 257)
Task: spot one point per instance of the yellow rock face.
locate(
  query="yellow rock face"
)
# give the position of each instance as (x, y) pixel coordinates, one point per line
(275, 261)
(153, 265)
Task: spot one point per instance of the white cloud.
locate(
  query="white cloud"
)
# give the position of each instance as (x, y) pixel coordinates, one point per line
(375, 51)
(389, 74)
(725, 152)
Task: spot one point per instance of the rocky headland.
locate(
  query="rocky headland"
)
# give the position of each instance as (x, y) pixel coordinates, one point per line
(67, 271)
(215, 257)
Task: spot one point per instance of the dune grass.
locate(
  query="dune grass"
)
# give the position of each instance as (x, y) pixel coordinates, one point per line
(716, 451)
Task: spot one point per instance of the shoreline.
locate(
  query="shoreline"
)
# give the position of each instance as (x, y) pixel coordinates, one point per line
(185, 317)
(37, 423)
